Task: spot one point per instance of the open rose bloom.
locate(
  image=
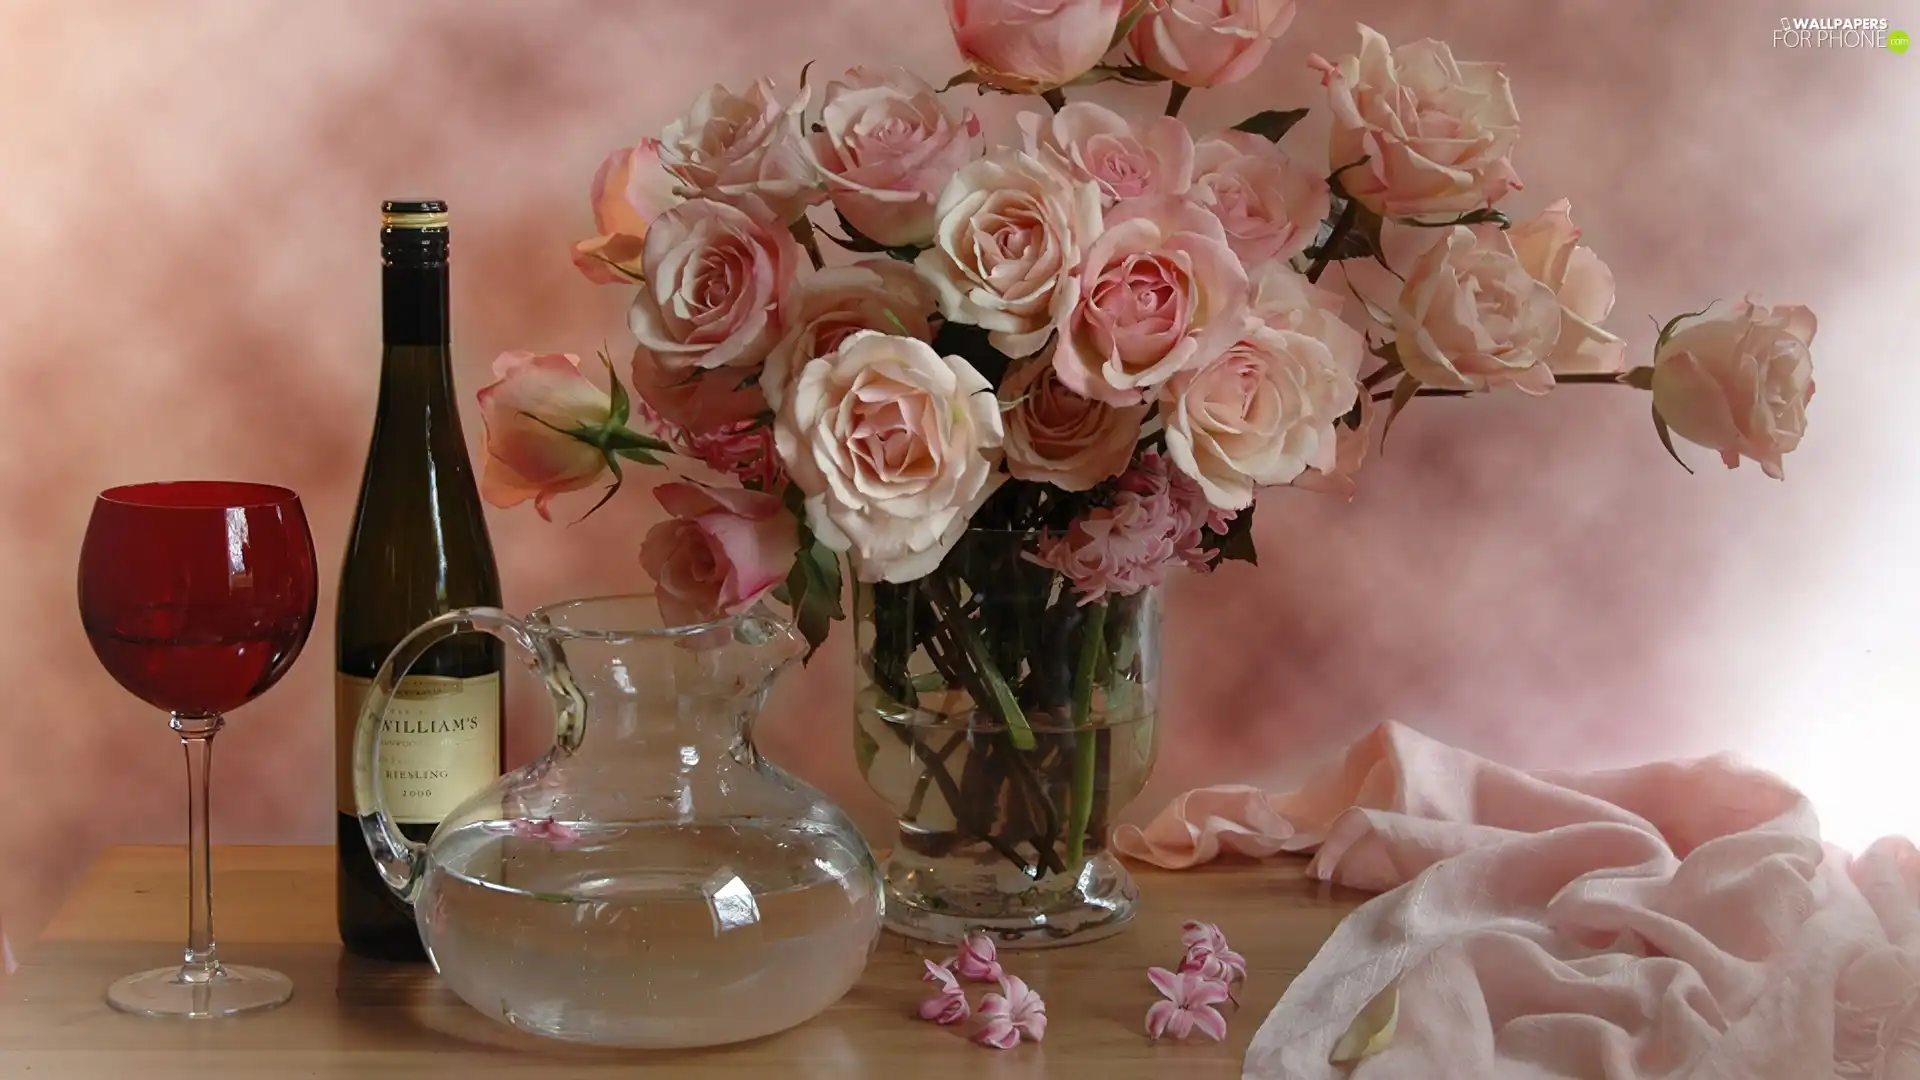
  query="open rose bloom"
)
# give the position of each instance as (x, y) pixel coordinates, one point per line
(980, 356)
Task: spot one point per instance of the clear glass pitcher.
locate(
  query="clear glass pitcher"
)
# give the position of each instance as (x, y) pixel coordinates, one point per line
(650, 881)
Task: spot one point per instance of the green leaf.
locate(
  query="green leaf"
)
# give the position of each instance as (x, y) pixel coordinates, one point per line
(1666, 438)
(626, 439)
(813, 591)
(619, 479)
(635, 454)
(1272, 124)
(1128, 21)
(622, 405)
(1673, 323)
(1403, 392)
(1640, 378)
(1237, 542)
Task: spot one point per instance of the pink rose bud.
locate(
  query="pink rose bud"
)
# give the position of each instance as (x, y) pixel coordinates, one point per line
(723, 549)
(1209, 42)
(528, 410)
(1026, 46)
(1738, 381)
(629, 191)
(978, 959)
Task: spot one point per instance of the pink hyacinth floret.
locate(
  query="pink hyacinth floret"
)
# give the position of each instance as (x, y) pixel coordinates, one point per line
(948, 1005)
(547, 829)
(1189, 1006)
(1158, 522)
(978, 960)
(1209, 954)
(1014, 1013)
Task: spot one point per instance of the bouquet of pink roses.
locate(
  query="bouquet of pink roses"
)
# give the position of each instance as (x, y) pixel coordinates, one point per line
(1029, 373)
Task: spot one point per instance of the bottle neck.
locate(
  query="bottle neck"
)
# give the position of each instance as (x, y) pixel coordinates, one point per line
(417, 362)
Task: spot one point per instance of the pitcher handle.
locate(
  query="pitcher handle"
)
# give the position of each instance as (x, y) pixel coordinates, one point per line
(401, 860)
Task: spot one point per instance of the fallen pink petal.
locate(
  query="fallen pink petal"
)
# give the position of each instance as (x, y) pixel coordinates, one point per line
(1189, 1005)
(547, 829)
(948, 1005)
(1225, 964)
(1202, 935)
(998, 1032)
(978, 960)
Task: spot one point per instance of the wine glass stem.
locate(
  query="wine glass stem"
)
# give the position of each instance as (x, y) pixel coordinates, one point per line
(200, 963)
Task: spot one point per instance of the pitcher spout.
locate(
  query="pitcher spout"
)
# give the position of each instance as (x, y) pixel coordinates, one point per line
(769, 645)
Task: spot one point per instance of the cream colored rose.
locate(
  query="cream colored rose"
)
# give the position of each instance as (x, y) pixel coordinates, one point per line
(895, 447)
(886, 146)
(1055, 436)
(1010, 231)
(1266, 410)
(834, 304)
(1471, 318)
(1549, 247)
(1739, 382)
(1270, 205)
(1098, 144)
(739, 148)
(1437, 134)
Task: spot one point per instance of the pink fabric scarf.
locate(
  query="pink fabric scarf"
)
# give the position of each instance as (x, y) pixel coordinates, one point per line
(1677, 920)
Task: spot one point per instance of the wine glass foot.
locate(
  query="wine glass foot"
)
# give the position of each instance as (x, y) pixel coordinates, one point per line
(231, 990)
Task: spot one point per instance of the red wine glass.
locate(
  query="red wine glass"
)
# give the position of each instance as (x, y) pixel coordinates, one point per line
(197, 597)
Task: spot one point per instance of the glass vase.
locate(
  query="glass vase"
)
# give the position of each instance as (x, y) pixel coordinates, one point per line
(1005, 722)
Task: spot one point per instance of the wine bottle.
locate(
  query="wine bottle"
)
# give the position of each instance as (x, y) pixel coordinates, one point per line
(418, 547)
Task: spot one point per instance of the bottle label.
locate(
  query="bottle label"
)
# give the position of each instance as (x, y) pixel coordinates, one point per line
(439, 743)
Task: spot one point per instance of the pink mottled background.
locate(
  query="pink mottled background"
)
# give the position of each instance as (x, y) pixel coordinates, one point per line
(187, 214)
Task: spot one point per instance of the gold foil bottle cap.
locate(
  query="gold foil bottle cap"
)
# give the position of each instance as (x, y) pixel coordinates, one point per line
(413, 214)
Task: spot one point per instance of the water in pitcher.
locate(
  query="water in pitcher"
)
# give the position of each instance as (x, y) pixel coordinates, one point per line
(649, 935)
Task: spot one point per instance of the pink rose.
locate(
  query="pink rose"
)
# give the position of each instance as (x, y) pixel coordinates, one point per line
(1209, 42)
(696, 401)
(886, 147)
(1100, 145)
(1471, 318)
(1437, 134)
(1010, 231)
(1055, 436)
(743, 148)
(1026, 46)
(1350, 445)
(895, 447)
(715, 279)
(723, 549)
(1739, 381)
(1160, 292)
(629, 190)
(1266, 410)
(833, 304)
(1549, 247)
(1270, 205)
(533, 401)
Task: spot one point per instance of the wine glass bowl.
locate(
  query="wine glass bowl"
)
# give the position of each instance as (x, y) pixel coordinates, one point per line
(197, 596)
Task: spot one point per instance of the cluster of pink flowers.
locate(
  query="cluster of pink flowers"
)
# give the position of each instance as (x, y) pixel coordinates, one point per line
(1157, 522)
(1149, 291)
(1205, 979)
(1007, 1016)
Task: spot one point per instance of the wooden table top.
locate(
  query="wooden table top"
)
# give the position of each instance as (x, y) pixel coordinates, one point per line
(353, 1018)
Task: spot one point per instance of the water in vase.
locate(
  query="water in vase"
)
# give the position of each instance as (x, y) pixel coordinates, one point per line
(649, 935)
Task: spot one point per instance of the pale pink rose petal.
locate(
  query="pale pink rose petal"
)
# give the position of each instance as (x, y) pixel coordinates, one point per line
(886, 145)
(1470, 317)
(629, 190)
(722, 551)
(743, 149)
(1738, 381)
(716, 277)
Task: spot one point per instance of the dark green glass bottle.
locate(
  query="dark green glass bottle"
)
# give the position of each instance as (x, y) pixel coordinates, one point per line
(418, 548)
